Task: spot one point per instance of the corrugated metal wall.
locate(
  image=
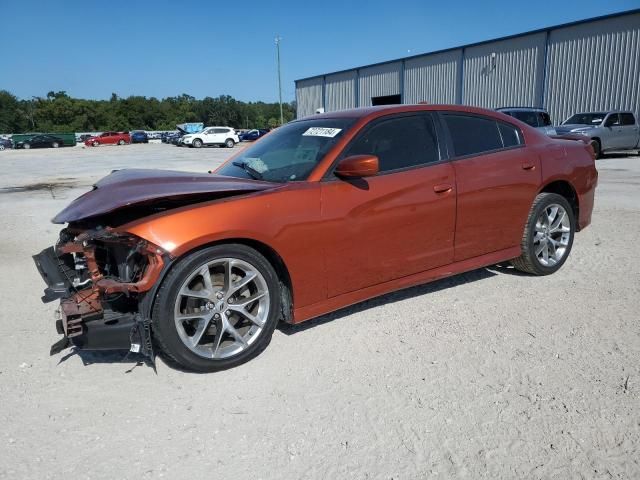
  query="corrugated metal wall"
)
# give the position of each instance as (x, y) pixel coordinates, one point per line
(512, 78)
(308, 96)
(594, 66)
(379, 81)
(340, 91)
(433, 78)
(588, 66)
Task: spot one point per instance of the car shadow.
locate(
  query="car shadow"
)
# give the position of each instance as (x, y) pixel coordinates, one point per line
(93, 357)
(400, 295)
(131, 361)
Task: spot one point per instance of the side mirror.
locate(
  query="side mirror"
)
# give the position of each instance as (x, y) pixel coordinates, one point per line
(357, 166)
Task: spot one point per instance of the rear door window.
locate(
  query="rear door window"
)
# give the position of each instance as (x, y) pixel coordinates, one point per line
(472, 135)
(627, 119)
(511, 136)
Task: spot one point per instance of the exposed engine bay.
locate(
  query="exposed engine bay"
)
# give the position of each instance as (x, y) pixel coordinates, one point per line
(101, 278)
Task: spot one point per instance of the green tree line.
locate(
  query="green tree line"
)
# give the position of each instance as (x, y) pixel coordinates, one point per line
(59, 113)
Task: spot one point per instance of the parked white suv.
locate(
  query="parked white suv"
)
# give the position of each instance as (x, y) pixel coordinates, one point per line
(222, 136)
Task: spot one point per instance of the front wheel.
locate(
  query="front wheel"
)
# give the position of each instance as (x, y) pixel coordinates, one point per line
(197, 143)
(26, 146)
(121, 142)
(95, 144)
(55, 144)
(217, 308)
(548, 235)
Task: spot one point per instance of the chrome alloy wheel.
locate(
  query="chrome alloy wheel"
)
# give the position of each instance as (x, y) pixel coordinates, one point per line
(552, 235)
(221, 308)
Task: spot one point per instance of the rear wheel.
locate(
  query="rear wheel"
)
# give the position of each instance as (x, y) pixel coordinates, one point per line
(548, 235)
(229, 143)
(121, 142)
(1, 147)
(55, 145)
(26, 146)
(217, 308)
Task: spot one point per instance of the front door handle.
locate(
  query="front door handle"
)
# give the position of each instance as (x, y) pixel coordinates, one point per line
(528, 166)
(442, 188)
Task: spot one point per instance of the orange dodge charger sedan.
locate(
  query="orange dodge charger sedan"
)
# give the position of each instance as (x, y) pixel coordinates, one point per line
(324, 212)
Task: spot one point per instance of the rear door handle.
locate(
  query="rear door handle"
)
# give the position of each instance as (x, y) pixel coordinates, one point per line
(442, 188)
(528, 166)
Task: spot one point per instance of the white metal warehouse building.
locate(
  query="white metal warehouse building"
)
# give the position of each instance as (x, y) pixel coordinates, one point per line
(588, 65)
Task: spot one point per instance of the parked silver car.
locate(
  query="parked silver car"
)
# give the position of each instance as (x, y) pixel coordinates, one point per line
(607, 131)
(536, 117)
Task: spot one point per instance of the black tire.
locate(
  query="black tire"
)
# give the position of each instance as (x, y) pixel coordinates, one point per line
(55, 144)
(197, 143)
(163, 323)
(26, 146)
(528, 261)
(121, 142)
(96, 144)
(229, 143)
(597, 148)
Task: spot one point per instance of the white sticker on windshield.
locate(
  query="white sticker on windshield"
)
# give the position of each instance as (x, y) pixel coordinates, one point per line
(322, 132)
(257, 164)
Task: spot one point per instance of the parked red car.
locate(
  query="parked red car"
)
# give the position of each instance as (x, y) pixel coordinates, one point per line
(109, 138)
(323, 212)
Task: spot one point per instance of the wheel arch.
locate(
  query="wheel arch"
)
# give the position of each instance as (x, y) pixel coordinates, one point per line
(566, 190)
(272, 256)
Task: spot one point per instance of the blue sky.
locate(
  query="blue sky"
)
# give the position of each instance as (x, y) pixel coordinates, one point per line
(209, 48)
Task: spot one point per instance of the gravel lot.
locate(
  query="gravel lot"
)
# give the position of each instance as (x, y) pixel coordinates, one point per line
(485, 375)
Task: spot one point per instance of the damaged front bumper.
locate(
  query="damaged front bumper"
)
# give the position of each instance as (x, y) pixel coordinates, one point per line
(101, 278)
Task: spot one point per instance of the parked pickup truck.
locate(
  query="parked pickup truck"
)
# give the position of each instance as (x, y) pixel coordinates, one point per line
(607, 131)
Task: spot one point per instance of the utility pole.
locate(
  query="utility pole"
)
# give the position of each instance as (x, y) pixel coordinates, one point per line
(278, 40)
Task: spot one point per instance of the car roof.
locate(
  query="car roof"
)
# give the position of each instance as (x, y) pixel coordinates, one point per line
(372, 112)
(521, 109)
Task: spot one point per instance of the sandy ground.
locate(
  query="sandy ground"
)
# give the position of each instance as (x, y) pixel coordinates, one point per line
(486, 375)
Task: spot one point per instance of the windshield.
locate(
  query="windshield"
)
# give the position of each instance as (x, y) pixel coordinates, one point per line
(586, 119)
(289, 153)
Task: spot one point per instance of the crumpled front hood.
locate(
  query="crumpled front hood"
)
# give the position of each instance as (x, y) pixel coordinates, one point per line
(123, 188)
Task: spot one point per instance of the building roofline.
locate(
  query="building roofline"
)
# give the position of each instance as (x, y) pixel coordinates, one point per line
(477, 44)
